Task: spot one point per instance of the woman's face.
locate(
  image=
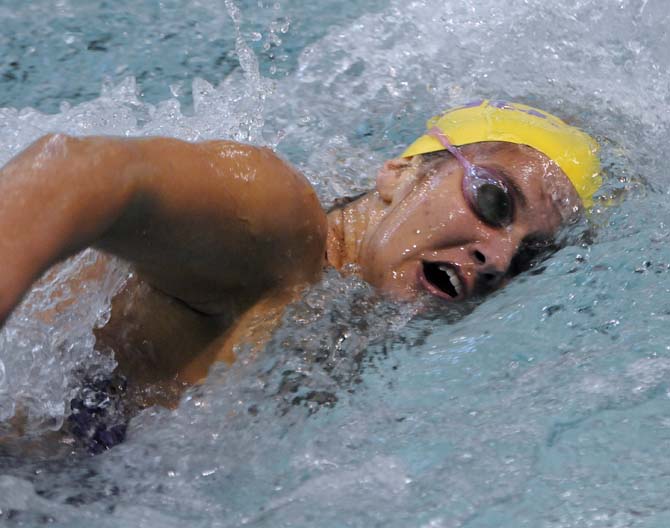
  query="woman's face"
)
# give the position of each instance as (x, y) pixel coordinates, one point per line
(432, 237)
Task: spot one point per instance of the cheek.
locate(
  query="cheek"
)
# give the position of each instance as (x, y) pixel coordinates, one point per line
(400, 280)
(388, 249)
(429, 217)
(445, 222)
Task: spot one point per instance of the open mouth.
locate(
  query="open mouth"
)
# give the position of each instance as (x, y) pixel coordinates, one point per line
(442, 279)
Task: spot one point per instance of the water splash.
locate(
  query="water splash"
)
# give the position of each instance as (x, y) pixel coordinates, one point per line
(256, 87)
(526, 412)
(47, 345)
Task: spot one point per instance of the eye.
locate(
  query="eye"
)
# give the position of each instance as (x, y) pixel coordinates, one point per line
(488, 196)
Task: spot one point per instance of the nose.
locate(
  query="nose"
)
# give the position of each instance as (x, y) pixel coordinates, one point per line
(492, 260)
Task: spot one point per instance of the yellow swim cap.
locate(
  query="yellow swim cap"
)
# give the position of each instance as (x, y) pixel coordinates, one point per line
(571, 149)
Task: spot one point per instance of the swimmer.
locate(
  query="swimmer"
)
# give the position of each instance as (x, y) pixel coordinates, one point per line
(222, 235)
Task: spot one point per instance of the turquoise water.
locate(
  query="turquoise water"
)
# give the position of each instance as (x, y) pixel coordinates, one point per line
(548, 405)
(162, 44)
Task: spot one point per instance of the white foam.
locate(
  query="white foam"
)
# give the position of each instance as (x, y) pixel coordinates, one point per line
(494, 417)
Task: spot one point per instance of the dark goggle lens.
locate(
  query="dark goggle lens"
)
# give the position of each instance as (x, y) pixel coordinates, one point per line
(489, 197)
(493, 204)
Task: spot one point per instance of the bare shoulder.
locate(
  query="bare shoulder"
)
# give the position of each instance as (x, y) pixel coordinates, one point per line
(260, 170)
(276, 203)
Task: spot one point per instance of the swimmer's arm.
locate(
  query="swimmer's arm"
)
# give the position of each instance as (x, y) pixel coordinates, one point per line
(203, 222)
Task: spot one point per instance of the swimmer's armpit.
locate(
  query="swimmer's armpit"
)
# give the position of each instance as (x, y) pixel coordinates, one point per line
(203, 222)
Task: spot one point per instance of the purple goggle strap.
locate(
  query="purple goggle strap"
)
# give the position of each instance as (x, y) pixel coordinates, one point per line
(444, 140)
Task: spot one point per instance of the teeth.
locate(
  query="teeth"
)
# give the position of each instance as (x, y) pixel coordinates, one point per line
(453, 278)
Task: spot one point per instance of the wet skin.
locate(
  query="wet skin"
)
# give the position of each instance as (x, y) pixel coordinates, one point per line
(419, 219)
(224, 235)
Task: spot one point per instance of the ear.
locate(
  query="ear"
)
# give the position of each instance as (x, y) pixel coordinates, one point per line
(397, 177)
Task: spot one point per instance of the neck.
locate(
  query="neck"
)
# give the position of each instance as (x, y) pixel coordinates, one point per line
(347, 227)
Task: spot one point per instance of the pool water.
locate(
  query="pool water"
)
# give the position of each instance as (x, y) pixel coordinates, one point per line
(547, 405)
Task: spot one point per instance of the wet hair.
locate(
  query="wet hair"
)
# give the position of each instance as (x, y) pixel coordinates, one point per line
(339, 203)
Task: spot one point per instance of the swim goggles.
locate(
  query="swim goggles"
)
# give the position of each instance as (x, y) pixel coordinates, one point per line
(574, 151)
(485, 190)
